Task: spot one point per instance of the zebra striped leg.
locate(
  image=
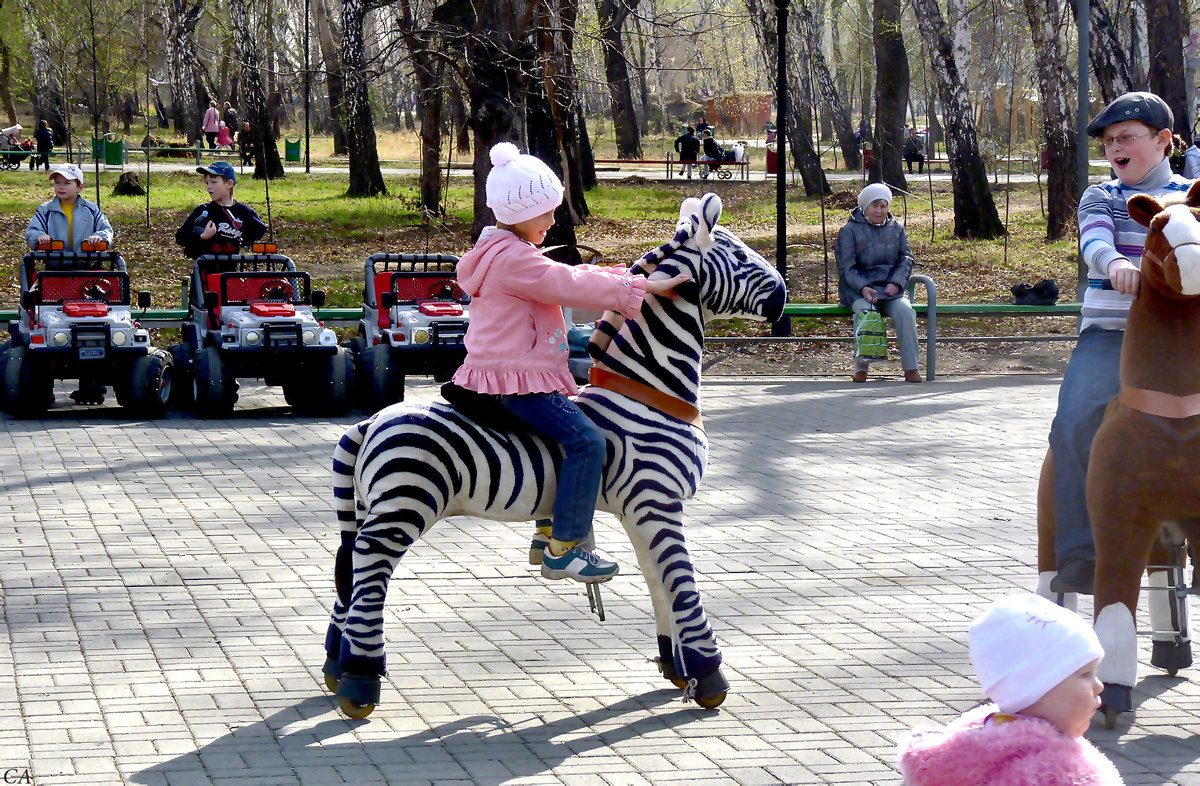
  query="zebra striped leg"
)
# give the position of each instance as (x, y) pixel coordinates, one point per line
(656, 531)
(350, 515)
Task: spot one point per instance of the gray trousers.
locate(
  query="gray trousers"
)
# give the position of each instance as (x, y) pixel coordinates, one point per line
(1092, 378)
(904, 319)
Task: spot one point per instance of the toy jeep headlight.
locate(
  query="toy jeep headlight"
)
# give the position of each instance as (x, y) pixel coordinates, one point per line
(119, 338)
(420, 336)
(61, 338)
(253, 338)
(309, 336)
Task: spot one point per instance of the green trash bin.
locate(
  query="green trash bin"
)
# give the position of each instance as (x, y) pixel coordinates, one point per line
(291, 149)
(114, 151)
(98, 148)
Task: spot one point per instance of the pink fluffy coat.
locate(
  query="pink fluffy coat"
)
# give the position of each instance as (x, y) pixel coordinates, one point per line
(1024, 752)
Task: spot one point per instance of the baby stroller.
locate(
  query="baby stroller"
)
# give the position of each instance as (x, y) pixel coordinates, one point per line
(733, 155)
(10, 148)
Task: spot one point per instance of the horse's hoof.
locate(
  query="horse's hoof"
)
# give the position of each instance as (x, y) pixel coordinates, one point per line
(1114, 700)
(711, 689)
(358, 695)
(1171, 656)
(333, 672)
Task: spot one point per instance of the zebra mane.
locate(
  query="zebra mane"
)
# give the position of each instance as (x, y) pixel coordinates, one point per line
(690, 225)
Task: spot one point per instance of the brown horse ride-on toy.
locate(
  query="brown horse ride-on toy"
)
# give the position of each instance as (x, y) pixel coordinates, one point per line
(1143, 485)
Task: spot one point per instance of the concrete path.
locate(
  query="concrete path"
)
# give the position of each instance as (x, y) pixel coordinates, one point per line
(165, 591)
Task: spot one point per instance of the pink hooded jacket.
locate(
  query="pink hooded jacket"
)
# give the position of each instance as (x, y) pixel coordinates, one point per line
(1021, 752)
(517, 338)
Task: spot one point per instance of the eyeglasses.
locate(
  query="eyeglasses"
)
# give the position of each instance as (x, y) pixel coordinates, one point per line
(1124, 139)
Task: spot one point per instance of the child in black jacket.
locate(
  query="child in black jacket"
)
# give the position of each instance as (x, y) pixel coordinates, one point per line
(224, 225)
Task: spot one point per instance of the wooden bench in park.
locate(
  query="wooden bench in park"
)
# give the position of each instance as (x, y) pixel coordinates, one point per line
(670, 162)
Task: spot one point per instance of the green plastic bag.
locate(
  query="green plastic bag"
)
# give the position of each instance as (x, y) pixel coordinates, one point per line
(870, 336)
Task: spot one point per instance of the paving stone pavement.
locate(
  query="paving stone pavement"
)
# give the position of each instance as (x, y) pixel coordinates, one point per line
(166, 588)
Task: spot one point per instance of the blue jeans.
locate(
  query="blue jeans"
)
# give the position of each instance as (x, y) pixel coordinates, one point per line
(556, 417)
(1092, 378)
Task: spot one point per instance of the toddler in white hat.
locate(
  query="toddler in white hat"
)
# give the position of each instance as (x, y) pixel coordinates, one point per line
(517, 345)
(1037, 663)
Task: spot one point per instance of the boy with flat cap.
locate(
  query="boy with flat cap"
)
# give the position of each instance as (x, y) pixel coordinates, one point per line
(1135, 132)
(223, 225)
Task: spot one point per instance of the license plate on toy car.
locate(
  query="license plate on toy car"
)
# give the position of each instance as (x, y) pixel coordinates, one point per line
(91, 353)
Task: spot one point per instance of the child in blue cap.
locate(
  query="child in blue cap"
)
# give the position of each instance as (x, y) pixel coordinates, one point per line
(224, 225)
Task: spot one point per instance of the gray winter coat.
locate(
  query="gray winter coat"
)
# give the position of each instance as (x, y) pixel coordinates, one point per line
(870, 255)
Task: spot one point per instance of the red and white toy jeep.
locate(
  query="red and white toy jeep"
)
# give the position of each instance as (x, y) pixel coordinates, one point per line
(251, 316)
(76, 322)
(414, 322)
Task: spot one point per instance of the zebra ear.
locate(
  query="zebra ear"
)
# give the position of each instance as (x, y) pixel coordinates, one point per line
(690, 207)
(711, 210)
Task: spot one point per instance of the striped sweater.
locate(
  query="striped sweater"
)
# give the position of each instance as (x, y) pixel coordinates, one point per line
(1107, 233)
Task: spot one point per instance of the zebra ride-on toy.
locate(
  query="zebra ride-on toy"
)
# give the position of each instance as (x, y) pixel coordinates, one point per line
(76, 322)
(251, 316)
(414, 322)
(403, 469)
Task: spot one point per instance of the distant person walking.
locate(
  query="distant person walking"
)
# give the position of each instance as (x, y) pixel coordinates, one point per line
(230, 116)
(211, 124)
(45, 143)
(687, 145)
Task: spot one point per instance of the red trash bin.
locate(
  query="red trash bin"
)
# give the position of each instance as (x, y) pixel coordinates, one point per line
(772, 162)
(868, 157)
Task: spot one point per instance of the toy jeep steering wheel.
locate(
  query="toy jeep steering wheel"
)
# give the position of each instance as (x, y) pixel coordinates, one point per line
(96, 289)
(276, 289)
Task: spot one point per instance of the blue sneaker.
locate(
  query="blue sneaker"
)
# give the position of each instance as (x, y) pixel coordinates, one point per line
(579, 565)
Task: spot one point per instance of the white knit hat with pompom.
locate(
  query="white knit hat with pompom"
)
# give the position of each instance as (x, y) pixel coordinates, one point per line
(520, 187)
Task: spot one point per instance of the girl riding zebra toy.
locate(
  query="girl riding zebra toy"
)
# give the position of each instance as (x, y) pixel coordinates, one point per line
(399, 472)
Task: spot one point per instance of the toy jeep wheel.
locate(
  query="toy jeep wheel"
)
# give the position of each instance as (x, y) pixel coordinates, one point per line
(151, 380)
(4, 347)
(28, 390)
(386, 381)
(181, 384)
(322, 386)
(214, 388)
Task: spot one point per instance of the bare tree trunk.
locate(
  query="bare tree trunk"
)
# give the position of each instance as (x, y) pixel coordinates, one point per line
(48, 101)
(6, 98)
(975, 214)
(1106, 54)
(835, 108)
(365, 177)
(327, 36)
(797, 124)
(179, 23)
(612, 15)
(1057, 91)
(1164, 24)
(891, 94)
(254, 105)
(428, 69)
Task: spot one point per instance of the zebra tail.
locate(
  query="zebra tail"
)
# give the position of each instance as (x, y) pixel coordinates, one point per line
(345, 457)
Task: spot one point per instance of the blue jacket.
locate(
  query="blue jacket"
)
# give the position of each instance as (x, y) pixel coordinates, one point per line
(49, 219)
(871, 256)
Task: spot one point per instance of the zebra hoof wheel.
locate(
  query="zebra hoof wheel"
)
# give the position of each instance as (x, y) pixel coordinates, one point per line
(354, 710)
(1172, 672)
(331, 683)
(667, 669)
(711, 689)
(1110, 717)
(333, 673)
